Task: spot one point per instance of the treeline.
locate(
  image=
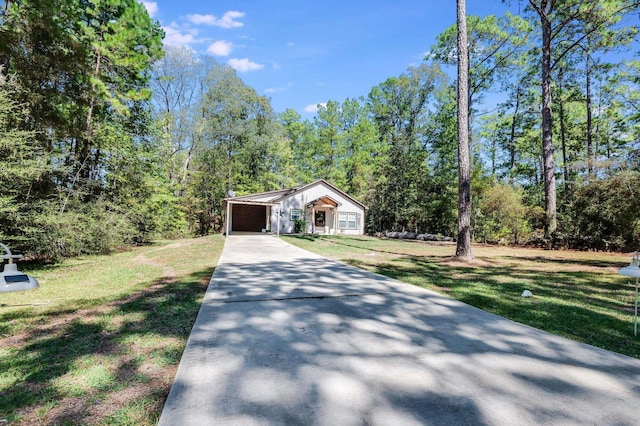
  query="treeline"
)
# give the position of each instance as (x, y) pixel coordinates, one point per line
(80, 171)
(109, 139)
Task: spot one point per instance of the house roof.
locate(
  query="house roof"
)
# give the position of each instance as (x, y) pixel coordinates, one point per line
(270, 195)
(279, 195)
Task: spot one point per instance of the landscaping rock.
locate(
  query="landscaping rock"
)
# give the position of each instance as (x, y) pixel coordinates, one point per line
(407, 235)
(428, 237)
(416, 236)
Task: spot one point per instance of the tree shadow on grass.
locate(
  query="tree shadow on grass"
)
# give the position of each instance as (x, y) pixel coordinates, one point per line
(365, 245)
(135, 344)
(597, 263)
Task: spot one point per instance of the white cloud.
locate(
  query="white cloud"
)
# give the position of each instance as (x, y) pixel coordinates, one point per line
(313, 108)
(290, 44)
(178, 37)
(278, 89)
(244, 65)
(228, 20)
(220, 48)
(151, 6)
(201, 19)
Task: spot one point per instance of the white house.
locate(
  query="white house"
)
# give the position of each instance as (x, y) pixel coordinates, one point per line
(325, 209)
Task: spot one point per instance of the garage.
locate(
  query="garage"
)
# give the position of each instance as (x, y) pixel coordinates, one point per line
(248, 218)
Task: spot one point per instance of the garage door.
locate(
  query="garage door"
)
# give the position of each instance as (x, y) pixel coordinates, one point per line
(248, 218)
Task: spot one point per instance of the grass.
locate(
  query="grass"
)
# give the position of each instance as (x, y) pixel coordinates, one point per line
(578, 295)
(100, 341)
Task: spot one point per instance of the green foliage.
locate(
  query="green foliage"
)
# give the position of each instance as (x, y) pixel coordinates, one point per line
(605, 213)
(99, 148)
(400, 109)
(98, 227)
(495, 44)
(216, 134)
(79, 176)
(299, 226)
(241, 151)
(341, 145)
(23, 167)
(501, 216)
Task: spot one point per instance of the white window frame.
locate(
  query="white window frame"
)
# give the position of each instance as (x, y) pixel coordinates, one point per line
(347, 221)
(293, 212)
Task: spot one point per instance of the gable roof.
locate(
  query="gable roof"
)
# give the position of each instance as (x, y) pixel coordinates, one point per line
(270, 195)
(325, 199)
(280, 194)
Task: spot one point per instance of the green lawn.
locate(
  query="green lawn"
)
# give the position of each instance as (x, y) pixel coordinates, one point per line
(578, 295)
(100, 341)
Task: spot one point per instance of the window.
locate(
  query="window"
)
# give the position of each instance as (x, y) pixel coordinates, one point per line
(347, 220)
(295, 214)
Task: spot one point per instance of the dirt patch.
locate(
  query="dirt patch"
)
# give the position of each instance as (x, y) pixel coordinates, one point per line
(472, 264)
(630, 309)
(167, 271)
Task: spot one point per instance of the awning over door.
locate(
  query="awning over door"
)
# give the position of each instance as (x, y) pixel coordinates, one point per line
(326, 202)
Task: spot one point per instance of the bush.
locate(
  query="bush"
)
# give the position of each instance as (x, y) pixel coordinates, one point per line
(299, 226)
(501, 217)
(93, 229)
(604, 214)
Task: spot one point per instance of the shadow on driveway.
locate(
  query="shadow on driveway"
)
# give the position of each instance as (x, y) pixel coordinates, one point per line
(288, 337)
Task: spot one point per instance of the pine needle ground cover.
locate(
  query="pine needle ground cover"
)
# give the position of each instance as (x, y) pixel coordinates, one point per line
(100, 341)
(578, 295)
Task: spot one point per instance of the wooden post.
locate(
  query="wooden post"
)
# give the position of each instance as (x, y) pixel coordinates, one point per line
(227, 221)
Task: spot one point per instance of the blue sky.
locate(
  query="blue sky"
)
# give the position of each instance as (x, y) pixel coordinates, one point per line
(302, 53)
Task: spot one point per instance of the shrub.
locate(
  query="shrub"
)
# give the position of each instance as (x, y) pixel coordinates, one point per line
(605, 213)
(299, 226)
(93, 229)
(501, 216)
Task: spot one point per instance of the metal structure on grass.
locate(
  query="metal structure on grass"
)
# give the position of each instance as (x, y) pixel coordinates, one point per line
(11, 279)
(633, 270)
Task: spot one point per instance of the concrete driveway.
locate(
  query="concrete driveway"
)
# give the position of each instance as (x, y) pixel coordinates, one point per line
(288, 337)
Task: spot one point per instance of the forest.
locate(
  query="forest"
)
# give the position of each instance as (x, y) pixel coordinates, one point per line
(109, 138)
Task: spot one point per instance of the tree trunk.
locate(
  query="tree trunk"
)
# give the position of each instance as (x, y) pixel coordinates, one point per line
(512, 137)
(589, 112)
(563, 138)
(547, 137)
(463, 247)
(4, 60)
(88, 131)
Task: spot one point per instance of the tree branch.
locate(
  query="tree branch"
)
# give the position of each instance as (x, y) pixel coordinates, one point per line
(591, 31)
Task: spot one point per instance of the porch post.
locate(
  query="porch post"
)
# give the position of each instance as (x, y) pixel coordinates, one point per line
(227, 221)
(278, 221)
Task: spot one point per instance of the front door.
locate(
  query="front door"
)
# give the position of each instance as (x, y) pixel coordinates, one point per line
(320, 219)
